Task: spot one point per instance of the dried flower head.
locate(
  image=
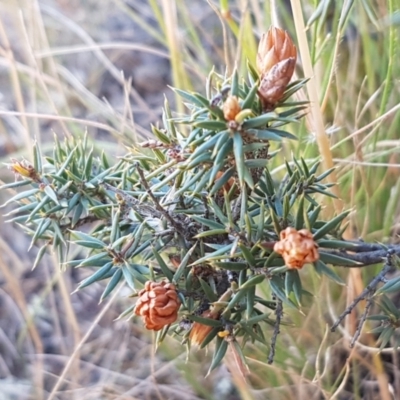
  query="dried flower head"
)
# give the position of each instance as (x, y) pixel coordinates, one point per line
(158, 304)
(231, 108)
(276, 60)
(200, 331)
(24, 169)
(297, 247)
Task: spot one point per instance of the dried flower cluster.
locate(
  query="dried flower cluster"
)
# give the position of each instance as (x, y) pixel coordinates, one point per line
(200, 331)
(297, 247)
(276, 60)
(158, 305)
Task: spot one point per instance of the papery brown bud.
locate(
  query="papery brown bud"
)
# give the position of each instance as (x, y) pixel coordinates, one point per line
(231, 108)
(276, 60)
(200, 331)
(275, 46)
(158, 305)
(297, 247)
(273, 85)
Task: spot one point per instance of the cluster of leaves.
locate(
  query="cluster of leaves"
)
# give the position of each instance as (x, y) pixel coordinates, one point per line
(197, 206)
(388, 330)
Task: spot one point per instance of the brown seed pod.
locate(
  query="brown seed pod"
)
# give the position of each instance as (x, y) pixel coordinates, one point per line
(297, 247)
(158, 305)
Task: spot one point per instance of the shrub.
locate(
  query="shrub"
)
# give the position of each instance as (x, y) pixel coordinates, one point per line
(196, 217)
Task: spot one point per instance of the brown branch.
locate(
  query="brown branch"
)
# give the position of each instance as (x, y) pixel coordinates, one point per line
(366, 294)
(157, 204)
(369, 301)
(278, 319)
(361, 247)
(366, 257)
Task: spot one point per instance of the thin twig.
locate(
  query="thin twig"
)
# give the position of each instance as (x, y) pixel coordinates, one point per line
(130, 201)
(82, 221)
(363, 318)
(205, 204)
(157, 204)
(366, 293)
(126, 199)
(278, 318)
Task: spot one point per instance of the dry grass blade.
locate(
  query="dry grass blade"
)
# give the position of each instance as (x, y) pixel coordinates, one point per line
(317, 122)
(81, 343)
